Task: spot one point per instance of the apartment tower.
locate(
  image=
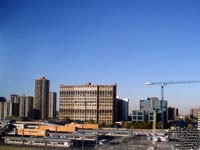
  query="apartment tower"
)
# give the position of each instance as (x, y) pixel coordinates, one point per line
(52, 104)
(41, 98)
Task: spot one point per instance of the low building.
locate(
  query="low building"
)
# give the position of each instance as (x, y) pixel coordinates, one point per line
(138, 115)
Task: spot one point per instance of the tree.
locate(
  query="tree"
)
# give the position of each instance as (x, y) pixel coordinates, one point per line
(190, 126)
(126, 125)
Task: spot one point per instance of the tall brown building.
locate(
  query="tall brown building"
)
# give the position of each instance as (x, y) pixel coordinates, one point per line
(41, 98)
(88, 102)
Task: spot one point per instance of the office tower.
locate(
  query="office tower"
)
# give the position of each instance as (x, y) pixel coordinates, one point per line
(122, 106)
(41, 98)
(88, 102)
(52, 104)
(154, 104)
(2, 101)
(15, 105)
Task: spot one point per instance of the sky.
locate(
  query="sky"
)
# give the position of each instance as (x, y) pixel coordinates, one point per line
(127, 42)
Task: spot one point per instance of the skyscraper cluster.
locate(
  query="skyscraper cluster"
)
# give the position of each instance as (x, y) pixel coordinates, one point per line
(40, 107)
(88, 102)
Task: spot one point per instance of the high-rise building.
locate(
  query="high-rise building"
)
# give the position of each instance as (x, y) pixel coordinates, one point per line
(7, 109)
(21, 106)
(122, 106)
(52, 104)
(29, 107)
(2, 101)
(15, 105)
(41, 98)
(26, 106)
(22, 100)
(88, 102)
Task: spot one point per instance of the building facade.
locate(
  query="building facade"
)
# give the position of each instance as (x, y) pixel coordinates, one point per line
(21, 106)
(194, 112)
(172, 114)
(154, 104)
(138, 115)
(41, 98)
(88, 102)
(122, 107)
(25, 106)
(52, 104)
(198, 120)
(7, 109)
(2, 101)
(15, 105)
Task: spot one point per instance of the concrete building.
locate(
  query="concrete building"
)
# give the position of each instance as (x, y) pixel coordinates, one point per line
(122, 107)
(29, 107)
(143, 116)
(198, 120)
(194, 112)
(2, 101)
(88, 102)
(22, 100)
(15, 105)
(172, 114)
(25, 106)
(7, 109)
(52, 104)
(41, 98)
(150, 115)
(154, 104)
(21, 106)
(138, 115)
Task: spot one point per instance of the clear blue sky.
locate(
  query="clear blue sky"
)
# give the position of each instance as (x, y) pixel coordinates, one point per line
(102, 41)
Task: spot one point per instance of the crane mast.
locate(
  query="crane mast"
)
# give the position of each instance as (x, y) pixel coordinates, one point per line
(163, 84)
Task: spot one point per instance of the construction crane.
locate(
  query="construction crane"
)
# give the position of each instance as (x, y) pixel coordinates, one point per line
(163, 84)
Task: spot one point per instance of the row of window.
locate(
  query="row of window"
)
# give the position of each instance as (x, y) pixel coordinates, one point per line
(86, 93)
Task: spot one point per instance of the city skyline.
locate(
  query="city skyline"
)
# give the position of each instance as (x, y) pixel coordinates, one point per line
(127, 43)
